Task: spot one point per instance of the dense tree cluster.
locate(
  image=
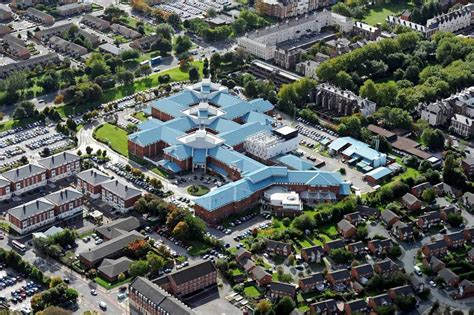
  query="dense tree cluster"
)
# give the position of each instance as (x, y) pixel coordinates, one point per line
(413, 70)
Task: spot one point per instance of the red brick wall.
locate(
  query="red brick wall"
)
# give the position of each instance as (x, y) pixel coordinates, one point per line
(26, 182)
(65, 207)
(155, 113)
(130, 202)
(148, 151)
(3, 190)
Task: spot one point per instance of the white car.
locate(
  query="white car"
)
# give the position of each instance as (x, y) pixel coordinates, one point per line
(94, 292)
(103, 305)
(432, 284)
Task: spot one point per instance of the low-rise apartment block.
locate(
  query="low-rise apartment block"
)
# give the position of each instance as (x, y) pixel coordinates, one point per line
(15, 47)
(74, 8)
(66, 47)
(26, 178)
(125, 31)
(5, 189)
(5, 15)
(40, 16)
(90, 182)
(462, 125)
(61, 165)
(144, 44)
(96, 22)
(29, 64)
(119, 195)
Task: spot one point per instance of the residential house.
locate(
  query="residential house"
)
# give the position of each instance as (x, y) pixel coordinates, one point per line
(446, 211)
(331, 245)
(90, 182)
(15, 47)
(469, 234)
(436, 248)
(25, 178)
(417, 190)
(356, 307)
(346, 229)
(362, 273)
(357, 248)
(119, 195)
(468, 200)
(465, 289)
(417, 283)
(411, 202)
(404, 290)
(470, 255)
(147, 298)
(437, 113)
(40, 16)
(380, 247)
(429, 219)
(110, 269)
(66, 47)
(368, 212)
(455, 239)
(377, 301)
(389, 218)
(96, 22)
(468, 166)
(326, 307)
(242, 253)
(279, 248)
(342, 276)
(312, 283)
(386, 267)
(110, 249)
(462, 125)
(247, 263)
(403, 231)
(433, 263)
(61, 165)
(117, 227)
(312, 254)
(125, 31)
(443, 189)
(280, 289)
(5, 189)
(73, 8)
(367, 31)
(449, 277)
(354, 218)
(145, 44)
(67, 202)
(44, 61)
(260, 276)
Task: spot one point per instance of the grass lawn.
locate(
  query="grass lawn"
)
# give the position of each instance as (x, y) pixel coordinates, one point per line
(10, 124)
(252, 292)
(140, 116)
(304, 243)
(197, 190)
(107, 285)
(198, 248)
(115, 137)
(378, 13)
(236, 272)
(329, 230)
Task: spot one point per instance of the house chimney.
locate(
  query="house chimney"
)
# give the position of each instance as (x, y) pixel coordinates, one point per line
(37, 203)
(126, 188)
(24, 209)
(52, 159)
(61, 194)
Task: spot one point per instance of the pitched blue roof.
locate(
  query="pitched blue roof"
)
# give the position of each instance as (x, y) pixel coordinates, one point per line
(379, 172)
(169, 107)
(179, 151)
(184, 98)
(149, 123)
(236, 110)
(169, 166)
(223, 125)
(358, 149)
(244, 187)
(239, 135)
(242, 162)
(217, 169)
(258, 117)
(181, 123)
(261, 105)
(153, 135)
(199, 156)
(294, 162)
(225, 100)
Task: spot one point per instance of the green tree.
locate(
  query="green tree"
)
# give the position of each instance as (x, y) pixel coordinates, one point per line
(138, 268)
(285, 306)
(263, 307)
(433, 139)
(455, 219)
(183, 44)
(341, 255)
(193, 74)
(429, 195)
(350, 126)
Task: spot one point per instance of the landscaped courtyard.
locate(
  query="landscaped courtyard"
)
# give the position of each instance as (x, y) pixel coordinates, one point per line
(378, 13)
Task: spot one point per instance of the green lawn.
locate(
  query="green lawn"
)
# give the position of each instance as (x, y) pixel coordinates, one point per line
(107, 285)
(304, 243)
(378, 13)
(329, 230)
(252, 292)
(198, 248)
(197, 190)
(115, 137)
(140, 116)
(9, 124)
(236, 272)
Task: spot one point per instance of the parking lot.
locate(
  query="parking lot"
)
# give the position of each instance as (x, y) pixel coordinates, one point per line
(16, 290)
(30, 140)
(192, 8)
(121, 170)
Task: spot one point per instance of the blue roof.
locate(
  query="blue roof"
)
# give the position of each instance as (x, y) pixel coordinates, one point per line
(242, 162)
(258, 117)
(217, 169)
(150, 136)
(150, 123)
(199, 156)
(147, 110)
(261, 105)
(184, 98)
(358, 149)
(243, 188)
(169, 107)
(223, 125)
(179, 151)
(236, 110)
(225, 100)
(169, 166)
(181, 123)
(239, 135)
(294, 162)
(379, 172)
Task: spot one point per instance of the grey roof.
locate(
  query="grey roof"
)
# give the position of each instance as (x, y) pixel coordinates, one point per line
(388, 215)
(247, 263)
(110, 247)
(63, 196)
(437, 244)
(282, 287)
(345, 225)
(22, 172)
(456, 236)
(447, 274)
(340, 274)
(58, 160)
(357, 304)
(327, 306)
(193, 272)
(387, 265)
(4, 182)
(313, 249)
(381, 299)
(113, 267)
(159, 298)
(93, 176)
(116, 227)
(259, 273)
(364, 269)
(314, 278)
(403, 290)
(409, 198)
(278, 245)
(124, 191)
(31, 208)
(339, 243)
(434, 261)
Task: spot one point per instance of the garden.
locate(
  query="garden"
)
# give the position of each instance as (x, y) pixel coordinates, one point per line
(197, 190)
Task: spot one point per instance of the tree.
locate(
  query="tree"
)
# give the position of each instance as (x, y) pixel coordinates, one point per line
(183, 44)
(263, 307)
(304, 222)
(362, 233)
(341, 255)
(54, 281)
(368, 90)
(138, 268)
(429, 195)
(351, 127)
(24, 110)
(395, 251)
(205, 69)
(455, 219)
(165, 30)
(433, 139)
(344, 81)
(154, 261)
(113, 13)
(193, 74)
(89, 150)
(174, 20)
(285, 306)
(163, 45)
